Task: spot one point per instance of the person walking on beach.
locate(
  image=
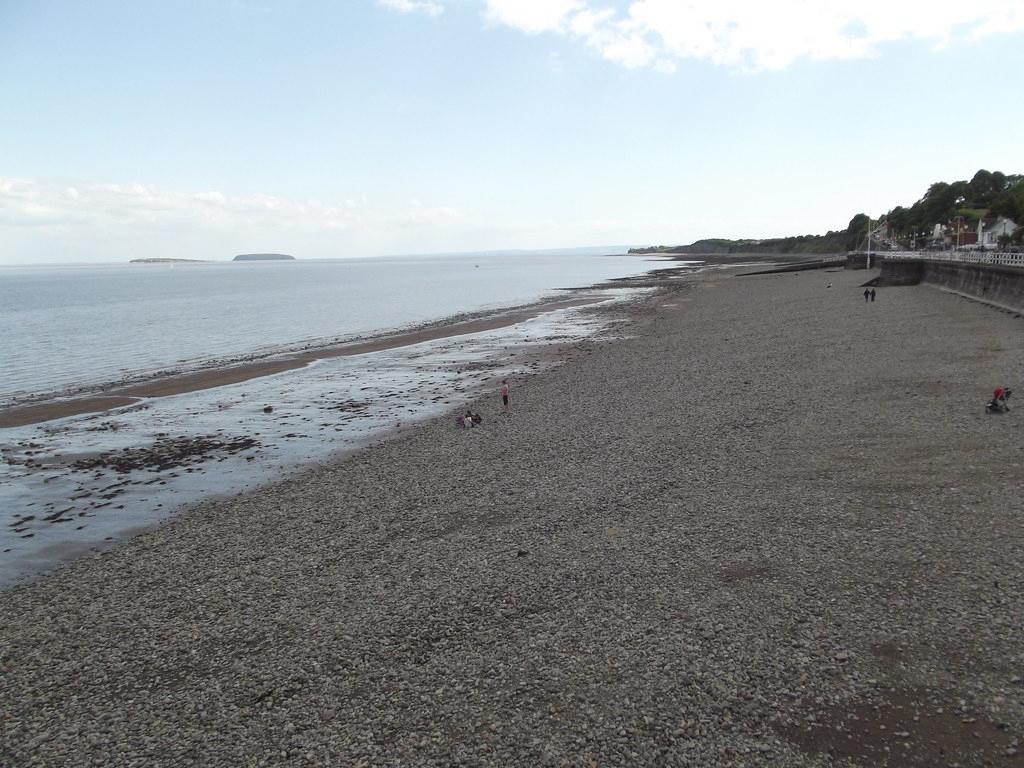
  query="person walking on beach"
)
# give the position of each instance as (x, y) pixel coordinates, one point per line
(872, 294)
(504, 395)
(867, 293)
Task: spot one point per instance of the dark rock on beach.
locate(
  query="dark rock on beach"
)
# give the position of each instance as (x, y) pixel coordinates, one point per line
(166, 453)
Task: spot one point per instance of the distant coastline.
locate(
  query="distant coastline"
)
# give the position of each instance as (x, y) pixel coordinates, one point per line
(991, 204)
(168, 261)
(263, 257)
(239, 257)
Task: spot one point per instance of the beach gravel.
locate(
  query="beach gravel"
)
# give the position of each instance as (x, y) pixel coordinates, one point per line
(766, 525)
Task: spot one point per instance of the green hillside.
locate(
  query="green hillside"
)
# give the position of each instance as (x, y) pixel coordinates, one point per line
(988, 193)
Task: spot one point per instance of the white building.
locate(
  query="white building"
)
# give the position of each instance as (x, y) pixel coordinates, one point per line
(990, 230)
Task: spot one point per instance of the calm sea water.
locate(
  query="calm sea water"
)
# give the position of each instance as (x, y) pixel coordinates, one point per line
(69, 327)
(78, 326)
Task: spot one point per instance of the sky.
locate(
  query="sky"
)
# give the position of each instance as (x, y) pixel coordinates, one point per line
(206, 128)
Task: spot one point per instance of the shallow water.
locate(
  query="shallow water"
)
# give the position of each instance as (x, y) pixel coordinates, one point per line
(80, 326)
(53, 510)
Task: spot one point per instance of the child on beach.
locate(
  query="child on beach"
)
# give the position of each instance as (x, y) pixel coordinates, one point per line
(504, 394)
(469, 420)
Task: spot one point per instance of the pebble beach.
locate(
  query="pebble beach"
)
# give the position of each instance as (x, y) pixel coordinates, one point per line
(761, 523)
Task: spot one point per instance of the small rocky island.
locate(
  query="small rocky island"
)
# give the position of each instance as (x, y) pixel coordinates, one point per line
(264, 257)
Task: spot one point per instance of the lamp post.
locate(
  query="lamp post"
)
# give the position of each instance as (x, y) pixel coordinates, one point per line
(869, 244)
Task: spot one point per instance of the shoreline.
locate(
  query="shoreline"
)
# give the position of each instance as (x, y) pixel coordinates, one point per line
(622, 570)
(33, 408)
(87, 482)
(218, 375)
(99, 398)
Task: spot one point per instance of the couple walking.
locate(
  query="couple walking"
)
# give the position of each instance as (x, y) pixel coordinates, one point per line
(869, 295)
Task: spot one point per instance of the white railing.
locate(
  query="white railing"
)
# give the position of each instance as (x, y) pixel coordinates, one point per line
(996, 258)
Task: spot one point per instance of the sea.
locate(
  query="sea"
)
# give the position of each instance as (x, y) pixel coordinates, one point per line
(73, 487)
(74, 327)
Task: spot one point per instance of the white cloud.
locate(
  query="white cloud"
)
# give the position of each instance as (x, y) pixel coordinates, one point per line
(40, 223)
(533, 15)
(630, 50)
(120, 217)
(587, 21)
(31, 203)
(429, 7)
(745, 34)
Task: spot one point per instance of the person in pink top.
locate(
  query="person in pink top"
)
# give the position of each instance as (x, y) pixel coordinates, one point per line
(504, 393)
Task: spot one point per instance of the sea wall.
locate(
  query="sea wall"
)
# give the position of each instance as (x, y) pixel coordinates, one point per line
(901, 272)
(997, 285)
(857, 261)
(860, 259)
(1002, 286)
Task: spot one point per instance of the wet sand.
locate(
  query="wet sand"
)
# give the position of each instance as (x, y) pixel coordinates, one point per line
(86, 480)
(117, 397)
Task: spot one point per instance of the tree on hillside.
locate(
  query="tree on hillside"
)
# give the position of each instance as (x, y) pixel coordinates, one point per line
(1010, 203)
(941, 200)
(898, 219)
(856, 231)
(983, 187)
(988, 193)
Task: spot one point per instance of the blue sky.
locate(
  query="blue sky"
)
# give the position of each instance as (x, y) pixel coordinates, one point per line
(368, 127)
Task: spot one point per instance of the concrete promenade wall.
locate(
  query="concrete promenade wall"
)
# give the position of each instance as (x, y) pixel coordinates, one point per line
(901, 272)
(1000, 286)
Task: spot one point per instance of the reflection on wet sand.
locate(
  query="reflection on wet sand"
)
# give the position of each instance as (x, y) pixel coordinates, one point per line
(219, 376)
(76, 484)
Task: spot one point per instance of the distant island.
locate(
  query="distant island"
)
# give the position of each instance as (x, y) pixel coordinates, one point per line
(263, 257)
(168, 261)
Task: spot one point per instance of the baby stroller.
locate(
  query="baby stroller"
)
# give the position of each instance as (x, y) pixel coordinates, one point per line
(998, 402)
